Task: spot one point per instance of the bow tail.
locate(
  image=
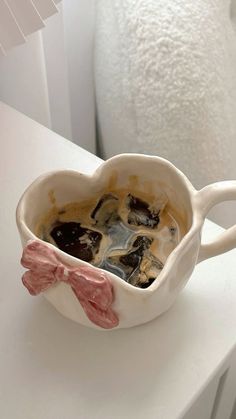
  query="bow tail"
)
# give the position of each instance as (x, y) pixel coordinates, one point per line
(105, 318)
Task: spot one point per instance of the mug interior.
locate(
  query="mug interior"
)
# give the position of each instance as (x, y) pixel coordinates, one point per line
(147, 175)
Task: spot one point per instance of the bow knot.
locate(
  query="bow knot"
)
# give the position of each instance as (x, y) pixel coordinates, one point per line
(92, 287)
(61, 273)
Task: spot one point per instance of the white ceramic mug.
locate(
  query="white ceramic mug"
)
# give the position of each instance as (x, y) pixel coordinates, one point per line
(132, 306)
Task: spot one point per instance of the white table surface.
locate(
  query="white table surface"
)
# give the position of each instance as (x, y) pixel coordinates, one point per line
(52, 368)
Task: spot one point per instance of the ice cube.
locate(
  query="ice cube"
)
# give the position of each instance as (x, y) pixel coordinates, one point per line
(76, 240)
(106, 211)
(140, 213)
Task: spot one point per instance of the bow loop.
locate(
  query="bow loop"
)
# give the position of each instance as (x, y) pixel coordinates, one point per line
(39, 257)
(37, 283)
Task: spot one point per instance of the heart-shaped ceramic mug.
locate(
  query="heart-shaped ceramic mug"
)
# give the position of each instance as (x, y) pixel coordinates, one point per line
(95, 297)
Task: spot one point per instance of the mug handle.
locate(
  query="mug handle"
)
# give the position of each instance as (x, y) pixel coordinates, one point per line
(206, 198)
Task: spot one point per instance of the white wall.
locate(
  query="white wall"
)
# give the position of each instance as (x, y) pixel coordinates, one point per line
(79, 29)
(50, 78)
(23, 82)
(55, 56)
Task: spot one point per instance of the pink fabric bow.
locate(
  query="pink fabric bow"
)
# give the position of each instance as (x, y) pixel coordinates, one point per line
(92, 288)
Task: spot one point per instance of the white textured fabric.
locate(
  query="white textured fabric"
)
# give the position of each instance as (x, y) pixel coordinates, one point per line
(166, 83)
